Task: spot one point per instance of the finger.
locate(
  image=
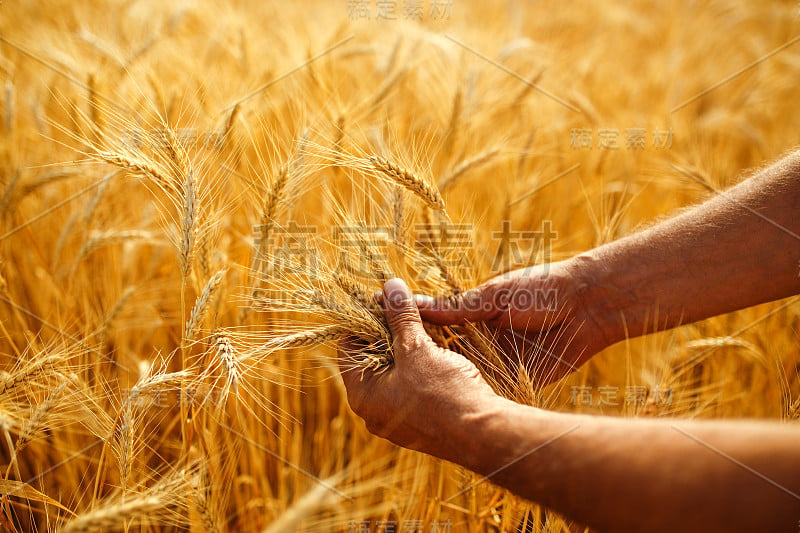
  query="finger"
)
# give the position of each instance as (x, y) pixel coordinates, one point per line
(485, 303)
(402, 316)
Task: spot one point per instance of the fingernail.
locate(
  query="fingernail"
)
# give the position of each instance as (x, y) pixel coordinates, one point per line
(396, 291)
(395, 285)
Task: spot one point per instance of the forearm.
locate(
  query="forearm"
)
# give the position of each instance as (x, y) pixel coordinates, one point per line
(644, 475)
(740, 248)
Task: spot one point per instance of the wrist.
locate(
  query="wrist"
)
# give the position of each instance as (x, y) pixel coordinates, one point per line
(498, 434)
(599, 294)
(472, 433)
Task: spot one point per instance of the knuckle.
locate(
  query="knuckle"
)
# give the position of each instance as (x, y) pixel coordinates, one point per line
(487, 301)
(470, 301)
(403, 319)
(408, 345)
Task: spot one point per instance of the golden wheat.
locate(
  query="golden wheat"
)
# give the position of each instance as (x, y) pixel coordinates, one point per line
(410, 181)
(133, 397)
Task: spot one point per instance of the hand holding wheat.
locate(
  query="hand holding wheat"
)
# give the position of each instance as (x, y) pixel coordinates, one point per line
(539, 316)
(422, 401)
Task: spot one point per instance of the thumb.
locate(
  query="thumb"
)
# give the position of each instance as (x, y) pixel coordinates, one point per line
(402, 314)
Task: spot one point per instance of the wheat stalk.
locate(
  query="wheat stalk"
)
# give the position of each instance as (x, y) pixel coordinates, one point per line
(9, 94)
(202, 255)
(450, 179)
(101, 189)
(320, 496)
(46, 178)
(100, 239)
(163, 503)
(455, 120)
(230, 121)
(399, 232)
(386, 86)
(201, 304)
(354, 317)
(103, 330)
(125, 436)
(32, 368)
(270, 207)
(160, 382)
(188, 221)
(117, 515)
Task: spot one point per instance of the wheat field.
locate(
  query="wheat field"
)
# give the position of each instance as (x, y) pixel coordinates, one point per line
(199, 199)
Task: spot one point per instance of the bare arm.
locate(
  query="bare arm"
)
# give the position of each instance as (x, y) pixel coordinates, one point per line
(613, 474)
(645, 475)
(738, 249)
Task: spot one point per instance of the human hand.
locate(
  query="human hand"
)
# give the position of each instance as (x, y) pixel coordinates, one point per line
(541, 316)
(427, 400)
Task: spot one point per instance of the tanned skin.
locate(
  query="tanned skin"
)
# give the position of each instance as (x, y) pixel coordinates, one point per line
(739, 249)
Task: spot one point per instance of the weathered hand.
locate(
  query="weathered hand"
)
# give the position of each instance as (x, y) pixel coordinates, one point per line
(539, 316)
(423, 401)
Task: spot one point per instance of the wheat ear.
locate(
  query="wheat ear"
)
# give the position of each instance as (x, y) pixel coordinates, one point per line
(188, 233)
(410, 181)
(227, 355)
(306, 338)
(134, 164)
(114, 516)
(201, 305)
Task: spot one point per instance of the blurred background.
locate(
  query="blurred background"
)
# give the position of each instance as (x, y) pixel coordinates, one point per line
(142, 151)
